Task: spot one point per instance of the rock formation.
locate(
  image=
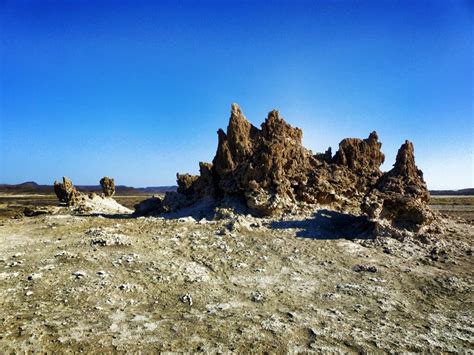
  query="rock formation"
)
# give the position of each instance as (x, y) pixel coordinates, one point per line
(270, 172)
(81, 203)
(66, 192)
(361, 155)
(400, 195)
(108, 186)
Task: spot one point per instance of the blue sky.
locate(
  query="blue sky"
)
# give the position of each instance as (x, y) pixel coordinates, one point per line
(137, 89)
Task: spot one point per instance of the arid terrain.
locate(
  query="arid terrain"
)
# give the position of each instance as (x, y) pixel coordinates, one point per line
(236, 177)
(237, 283)
(270, 249)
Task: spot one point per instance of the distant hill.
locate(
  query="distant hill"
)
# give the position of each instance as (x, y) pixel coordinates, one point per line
(462, 192)
(33, 187)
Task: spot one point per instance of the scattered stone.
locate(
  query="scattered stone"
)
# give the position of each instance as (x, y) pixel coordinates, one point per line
(34, 276)
(79, 274)
(329, 296)
(437, 254)
(274, 324)
(187, 298)
(257, 296)
(375, 279)
(65, 255)
(125, 287)
(365, 268)
(214, 308)
(104, 237)
(347, 288)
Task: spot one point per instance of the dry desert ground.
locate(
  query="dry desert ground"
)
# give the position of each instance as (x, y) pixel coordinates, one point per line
(236, 283)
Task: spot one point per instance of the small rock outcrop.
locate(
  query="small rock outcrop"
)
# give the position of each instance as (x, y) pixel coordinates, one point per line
(89, 203)
(269, 171)
(108, 186)
(149, 206)
(66, 192)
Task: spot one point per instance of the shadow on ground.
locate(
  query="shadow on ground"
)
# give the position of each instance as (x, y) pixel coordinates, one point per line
(327, 224)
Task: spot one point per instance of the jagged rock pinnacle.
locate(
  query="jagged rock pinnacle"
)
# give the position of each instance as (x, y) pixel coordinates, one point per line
(270, 171)
(401, 194)
(405, 161)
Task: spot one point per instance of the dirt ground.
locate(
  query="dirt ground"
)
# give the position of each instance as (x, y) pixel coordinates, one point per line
(297, 284)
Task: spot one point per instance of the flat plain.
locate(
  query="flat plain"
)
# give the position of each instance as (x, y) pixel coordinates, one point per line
(237, 283)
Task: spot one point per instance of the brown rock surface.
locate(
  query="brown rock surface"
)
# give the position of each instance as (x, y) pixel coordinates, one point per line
(273, 172)
(148, 206)
(66, 192)
(361, 155)
(108, 186)
(269, 171)
(400, 195)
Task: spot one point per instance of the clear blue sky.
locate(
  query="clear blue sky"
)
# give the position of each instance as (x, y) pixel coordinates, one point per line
(137, 89)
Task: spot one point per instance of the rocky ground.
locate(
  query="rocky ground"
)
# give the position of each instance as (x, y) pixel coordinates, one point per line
(296, 284)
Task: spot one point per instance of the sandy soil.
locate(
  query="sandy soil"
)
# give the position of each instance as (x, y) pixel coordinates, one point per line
(94, 283)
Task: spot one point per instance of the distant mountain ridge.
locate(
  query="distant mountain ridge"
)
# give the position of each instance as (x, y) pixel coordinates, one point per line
(33, 187)
(462, 192)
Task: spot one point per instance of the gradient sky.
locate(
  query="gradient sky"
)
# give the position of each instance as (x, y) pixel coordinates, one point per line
(137, 89)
